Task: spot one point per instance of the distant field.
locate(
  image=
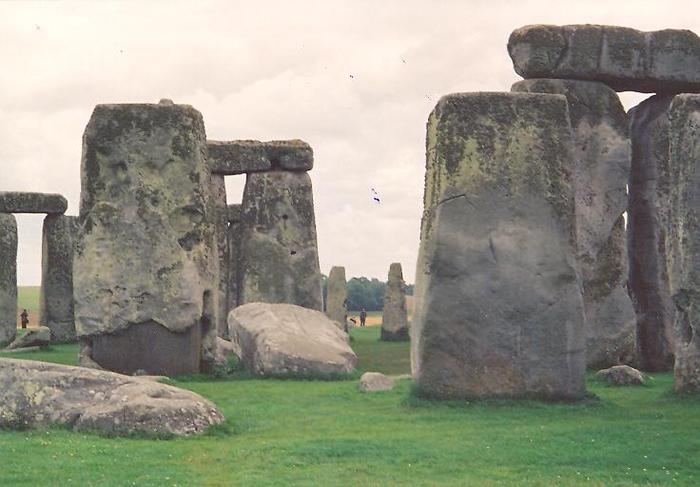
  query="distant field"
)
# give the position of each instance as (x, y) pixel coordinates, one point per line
(374, 318)
(28, 298)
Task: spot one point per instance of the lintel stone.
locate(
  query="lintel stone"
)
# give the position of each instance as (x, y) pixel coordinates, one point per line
(23, 202)
(244, 156)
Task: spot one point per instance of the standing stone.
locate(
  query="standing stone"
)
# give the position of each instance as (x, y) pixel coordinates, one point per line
(500, 310)
(337, 297)
(8, 278)
(56, 300)
(279, 253)
(602, 154)
(683, 238)
(221, 218)
(646, 238)
(145, 268)
(625, 59)
(394, 315)
(234, 248)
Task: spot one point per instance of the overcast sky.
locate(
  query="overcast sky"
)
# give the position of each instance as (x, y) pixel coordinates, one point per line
(355, 79)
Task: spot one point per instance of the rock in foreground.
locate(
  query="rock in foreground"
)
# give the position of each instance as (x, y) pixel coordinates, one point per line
(621, 375)
(39, 394)
(283, 339)
(375, 382)
(35, 337)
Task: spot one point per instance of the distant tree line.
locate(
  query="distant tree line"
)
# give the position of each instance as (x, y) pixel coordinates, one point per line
(364, 293)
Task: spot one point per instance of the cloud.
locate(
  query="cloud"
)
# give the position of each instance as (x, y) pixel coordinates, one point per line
(356, 79)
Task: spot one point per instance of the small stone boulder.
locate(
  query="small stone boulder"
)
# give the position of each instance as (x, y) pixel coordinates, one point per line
(283, 339)
(621, 375)
(37, 394)
(375, 382)
(35, 337)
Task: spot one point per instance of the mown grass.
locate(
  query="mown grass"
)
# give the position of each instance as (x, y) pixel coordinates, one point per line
(326, 433)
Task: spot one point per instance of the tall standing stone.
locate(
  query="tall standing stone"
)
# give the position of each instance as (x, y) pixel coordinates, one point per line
(56, 300)
(647, 224)
(500, 311)
(8, 278)
(337, 296)
(683, 238)
(279, 251)
(234, 250)
(394, 314)
(145, 268)
(602, 164)
(221, 218)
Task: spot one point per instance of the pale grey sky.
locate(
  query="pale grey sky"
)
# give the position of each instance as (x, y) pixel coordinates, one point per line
(355, 79)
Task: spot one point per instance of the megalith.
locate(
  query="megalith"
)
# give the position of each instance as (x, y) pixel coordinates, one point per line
(24, 202)
(8, 278)
(234, 247)
(500, 311)
(56, 299)
(625, 59)
(221, 225)
(394, 314)
(602, 155)
(278, 260)
(337, 296)
(646, 239)
(683, 238)
(145, 267)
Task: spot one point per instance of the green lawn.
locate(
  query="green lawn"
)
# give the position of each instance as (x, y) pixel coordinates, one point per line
(326, 433)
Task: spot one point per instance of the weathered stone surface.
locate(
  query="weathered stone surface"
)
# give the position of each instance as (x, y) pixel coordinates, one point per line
(278, 260)
(8, 278)
(244, 156)
(602, 154)
(282, 339)
(225, 349)
(234, 252)
(234, 213)
(646, 238)
(683, 238)
(375, 382)
(337, 297)
(621, 375)
(146, 262)
(34, 337)
(37, 394)
(394, 315)
(21, 202)
(221, 219)
(56, 300)
(625, 59)
(499, 309)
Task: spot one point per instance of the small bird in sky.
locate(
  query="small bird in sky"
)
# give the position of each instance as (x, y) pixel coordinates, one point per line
(375, 196)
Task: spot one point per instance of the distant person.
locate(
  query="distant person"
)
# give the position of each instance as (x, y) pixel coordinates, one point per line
(363, 317)
(25, 318)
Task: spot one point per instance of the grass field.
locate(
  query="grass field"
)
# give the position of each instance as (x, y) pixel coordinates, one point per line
(326, 433)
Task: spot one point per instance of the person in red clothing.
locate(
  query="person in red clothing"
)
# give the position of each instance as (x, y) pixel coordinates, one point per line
(25, 318)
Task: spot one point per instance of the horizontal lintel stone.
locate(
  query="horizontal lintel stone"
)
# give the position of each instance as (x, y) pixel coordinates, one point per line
(22, 202)
(664, 61)
(244, 156)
